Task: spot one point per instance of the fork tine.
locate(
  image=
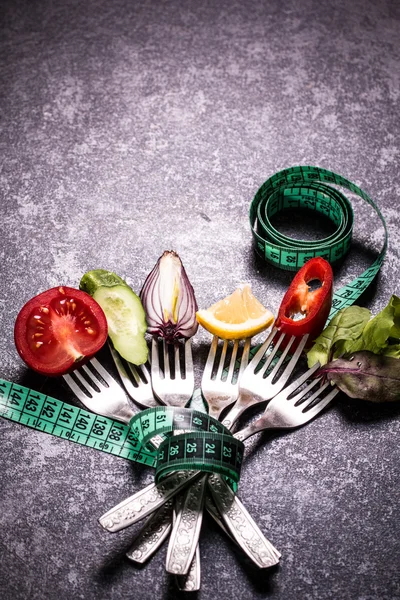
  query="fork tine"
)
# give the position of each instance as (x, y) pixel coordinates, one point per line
(315, 395)
(291, 364)
(245, 356)
(189, 373)
(293, 387)
(210, 358)
(312, 412)
(126, 380)
(271, 355)
(297, 397)
(261, 351)
(178, 374)
(301, 396)
(155, 363)
(145, 372)
(134, 372)
(100, 369)
(166, 359)
(233, 360)
(95, 381)
(283, 354)
(222, 359)
(88, 385)
(79, 393)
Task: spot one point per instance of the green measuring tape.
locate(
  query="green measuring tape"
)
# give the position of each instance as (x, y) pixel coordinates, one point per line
(311, 188)
(208, 445)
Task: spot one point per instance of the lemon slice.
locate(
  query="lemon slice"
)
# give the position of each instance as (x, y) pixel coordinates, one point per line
(237, 316)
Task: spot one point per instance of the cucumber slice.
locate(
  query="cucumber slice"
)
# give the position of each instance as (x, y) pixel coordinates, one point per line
(125, 315)
(92, 280)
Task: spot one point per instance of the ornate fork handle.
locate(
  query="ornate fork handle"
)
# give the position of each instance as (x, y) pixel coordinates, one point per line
(153, 533)
(185, 533)
(241, 525)
(236, 518)
(146, 501)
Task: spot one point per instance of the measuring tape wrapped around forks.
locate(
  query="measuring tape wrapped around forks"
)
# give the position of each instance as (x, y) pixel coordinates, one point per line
(209, 446)
(311, 188)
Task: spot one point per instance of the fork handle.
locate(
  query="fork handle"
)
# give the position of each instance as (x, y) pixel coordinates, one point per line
(233, 415)
(152, 535)
(241, 525)
(145, 501)
(186, 530)
(192, 580)
(252, 429)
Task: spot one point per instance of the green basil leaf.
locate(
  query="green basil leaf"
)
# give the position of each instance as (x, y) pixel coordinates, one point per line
(343, 331)
(385, 325)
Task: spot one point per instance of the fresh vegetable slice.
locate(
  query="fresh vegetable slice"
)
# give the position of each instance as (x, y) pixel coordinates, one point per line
(124, 311)
(168, 299)
(237, 316)
(59, 330)
(365, 375)
(305, 310)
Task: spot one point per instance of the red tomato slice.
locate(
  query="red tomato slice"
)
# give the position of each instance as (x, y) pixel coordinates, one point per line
(59, 330)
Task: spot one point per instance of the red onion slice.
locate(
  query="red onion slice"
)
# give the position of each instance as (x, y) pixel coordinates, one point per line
(168, 299)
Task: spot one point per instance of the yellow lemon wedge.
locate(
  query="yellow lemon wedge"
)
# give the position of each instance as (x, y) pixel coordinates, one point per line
(237, 316)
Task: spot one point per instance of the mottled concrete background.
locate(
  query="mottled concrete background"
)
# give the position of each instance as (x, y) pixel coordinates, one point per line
(130, 127)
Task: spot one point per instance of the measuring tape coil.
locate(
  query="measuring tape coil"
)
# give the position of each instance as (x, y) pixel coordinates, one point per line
(311, 188)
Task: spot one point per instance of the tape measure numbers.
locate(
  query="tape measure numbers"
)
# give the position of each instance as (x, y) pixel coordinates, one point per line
(41, 412)
(208, 445)
(311, 188)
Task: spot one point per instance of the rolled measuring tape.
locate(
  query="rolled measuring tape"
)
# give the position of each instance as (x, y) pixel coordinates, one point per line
(207, 446)
(311, 188)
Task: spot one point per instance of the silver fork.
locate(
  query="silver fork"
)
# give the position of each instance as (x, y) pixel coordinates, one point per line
(137, 383)
(218, 392)
(136, 507)
(292, 407)
(252, 387)
(258, 386)
(105, 396)
(174, 385)
(140, 389)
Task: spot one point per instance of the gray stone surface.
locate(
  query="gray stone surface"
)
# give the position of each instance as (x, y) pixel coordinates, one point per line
(128, 128)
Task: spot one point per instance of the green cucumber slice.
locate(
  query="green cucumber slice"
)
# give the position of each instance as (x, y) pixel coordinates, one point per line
(125, 315)
(92, 280)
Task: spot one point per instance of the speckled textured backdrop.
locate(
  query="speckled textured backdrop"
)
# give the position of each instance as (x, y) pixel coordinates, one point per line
(130, 127)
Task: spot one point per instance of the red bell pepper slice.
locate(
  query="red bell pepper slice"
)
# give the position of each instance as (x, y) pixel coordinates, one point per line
(301, 300)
